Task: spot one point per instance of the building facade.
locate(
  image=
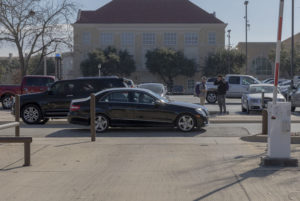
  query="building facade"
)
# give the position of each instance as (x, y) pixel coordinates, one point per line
(142, 25)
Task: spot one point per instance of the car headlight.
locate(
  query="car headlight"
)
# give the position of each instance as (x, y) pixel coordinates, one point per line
(201, 111)
(255, 100)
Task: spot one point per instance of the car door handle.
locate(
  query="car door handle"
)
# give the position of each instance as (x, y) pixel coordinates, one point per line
(70, 95)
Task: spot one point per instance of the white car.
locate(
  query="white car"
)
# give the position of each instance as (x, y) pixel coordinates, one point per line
(157, 88)
(252, 99)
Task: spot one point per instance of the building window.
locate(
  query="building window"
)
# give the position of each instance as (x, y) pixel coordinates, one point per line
(127, 39)
(107, 39)
(86, 38)
(212, 38)
(170, 39)
(261, 66)
(191, 39)
(148, 39)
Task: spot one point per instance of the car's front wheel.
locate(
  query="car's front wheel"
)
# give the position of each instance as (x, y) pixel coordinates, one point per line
(293, 108)
(186, 122)
(31, 114)
(211, 97)
(7, 102)
(101, 123)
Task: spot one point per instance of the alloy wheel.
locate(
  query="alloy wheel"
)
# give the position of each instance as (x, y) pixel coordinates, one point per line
(101, 123)
(186, 123)
(211, 97)
(7, 102)
(31, 114)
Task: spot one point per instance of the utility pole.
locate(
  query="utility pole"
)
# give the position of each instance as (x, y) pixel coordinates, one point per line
(246, 32)
(228, 35)
(45, 62)
(292, 41)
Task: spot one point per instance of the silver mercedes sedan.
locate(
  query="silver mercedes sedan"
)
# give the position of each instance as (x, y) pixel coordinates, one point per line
(252, 99)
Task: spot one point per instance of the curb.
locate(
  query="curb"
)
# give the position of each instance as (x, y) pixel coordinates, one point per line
(264, 138)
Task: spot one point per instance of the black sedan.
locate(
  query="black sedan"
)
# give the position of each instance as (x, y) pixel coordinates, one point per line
(137, 107)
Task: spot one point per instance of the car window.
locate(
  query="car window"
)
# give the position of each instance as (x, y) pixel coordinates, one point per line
(143, 98)
(234, 80)
(248, 81)
(121, 97)
(63, 88)
(38, 81)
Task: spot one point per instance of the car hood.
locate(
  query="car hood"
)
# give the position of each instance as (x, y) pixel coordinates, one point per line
(267, 95)
(188, 105)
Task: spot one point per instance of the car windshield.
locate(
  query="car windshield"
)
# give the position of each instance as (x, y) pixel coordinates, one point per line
(260, 89)
(158, 96)
(153, 87)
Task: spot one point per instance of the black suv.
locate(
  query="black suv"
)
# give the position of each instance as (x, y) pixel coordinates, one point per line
(55, 103)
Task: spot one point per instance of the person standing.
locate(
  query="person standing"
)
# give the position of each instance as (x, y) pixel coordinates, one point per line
(202, 90)
(221, 93)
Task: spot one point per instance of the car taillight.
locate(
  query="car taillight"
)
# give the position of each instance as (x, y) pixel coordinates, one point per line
(74, 108)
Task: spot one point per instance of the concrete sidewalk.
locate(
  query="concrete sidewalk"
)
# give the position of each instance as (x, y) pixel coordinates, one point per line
(144, 169)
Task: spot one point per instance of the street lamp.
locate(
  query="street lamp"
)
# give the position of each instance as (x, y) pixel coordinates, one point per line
(99, 68)
(228, 35)
(246, 32)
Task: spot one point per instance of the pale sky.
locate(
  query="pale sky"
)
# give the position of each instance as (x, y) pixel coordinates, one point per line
(262, 16)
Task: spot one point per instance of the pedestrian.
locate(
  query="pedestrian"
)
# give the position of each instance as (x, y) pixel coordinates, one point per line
(202, 90)
(221, 93)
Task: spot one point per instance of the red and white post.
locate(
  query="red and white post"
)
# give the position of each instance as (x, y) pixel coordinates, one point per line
(279, 117)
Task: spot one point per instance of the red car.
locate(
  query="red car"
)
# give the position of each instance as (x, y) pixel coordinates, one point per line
(29, 84)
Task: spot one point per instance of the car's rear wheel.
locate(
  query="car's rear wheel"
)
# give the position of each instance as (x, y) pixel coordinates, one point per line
(211, 97)
(7, 102)
(186, 122)
(31, 114)
(101, 123)
(243, 109)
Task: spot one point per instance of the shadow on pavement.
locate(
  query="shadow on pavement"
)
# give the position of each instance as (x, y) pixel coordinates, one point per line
(128, 132)
(257, 172)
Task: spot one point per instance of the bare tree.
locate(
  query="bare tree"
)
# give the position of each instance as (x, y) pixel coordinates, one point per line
(36, 26)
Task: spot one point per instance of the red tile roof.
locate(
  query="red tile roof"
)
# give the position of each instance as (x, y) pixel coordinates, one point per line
(148, 11)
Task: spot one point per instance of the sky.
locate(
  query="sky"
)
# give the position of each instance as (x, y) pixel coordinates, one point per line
(262, 17)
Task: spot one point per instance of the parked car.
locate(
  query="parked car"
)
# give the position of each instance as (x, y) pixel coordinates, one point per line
(157, 88)
(294, 97)
(129, 83)
(252, 99)
(177, 90)
(238, 84)
(54, 103)
(137, 107)
(285, 88)
(29, 84)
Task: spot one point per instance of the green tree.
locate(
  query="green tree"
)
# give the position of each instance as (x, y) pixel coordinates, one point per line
(36, 65)
(113, 62)
(168, 63)
(285, 61)
(224, 62)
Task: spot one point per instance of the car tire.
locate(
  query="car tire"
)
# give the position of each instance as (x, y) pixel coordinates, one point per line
(293, 108)
(186, 122)
(7, 102)
(211, 97)
(31, 114)
(248, 110)
(101, 123)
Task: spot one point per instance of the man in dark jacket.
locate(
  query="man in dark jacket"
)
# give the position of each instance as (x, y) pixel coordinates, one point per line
(221, 92)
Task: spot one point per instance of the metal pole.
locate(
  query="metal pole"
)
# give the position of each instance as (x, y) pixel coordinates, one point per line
(246, 32)
(45, 62)
(292, 45)
(278, 49)
(17, 115)
(228, 35)
(93, 117)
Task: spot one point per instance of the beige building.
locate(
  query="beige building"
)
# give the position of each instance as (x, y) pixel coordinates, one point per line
(259, 64)
(142, 25)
